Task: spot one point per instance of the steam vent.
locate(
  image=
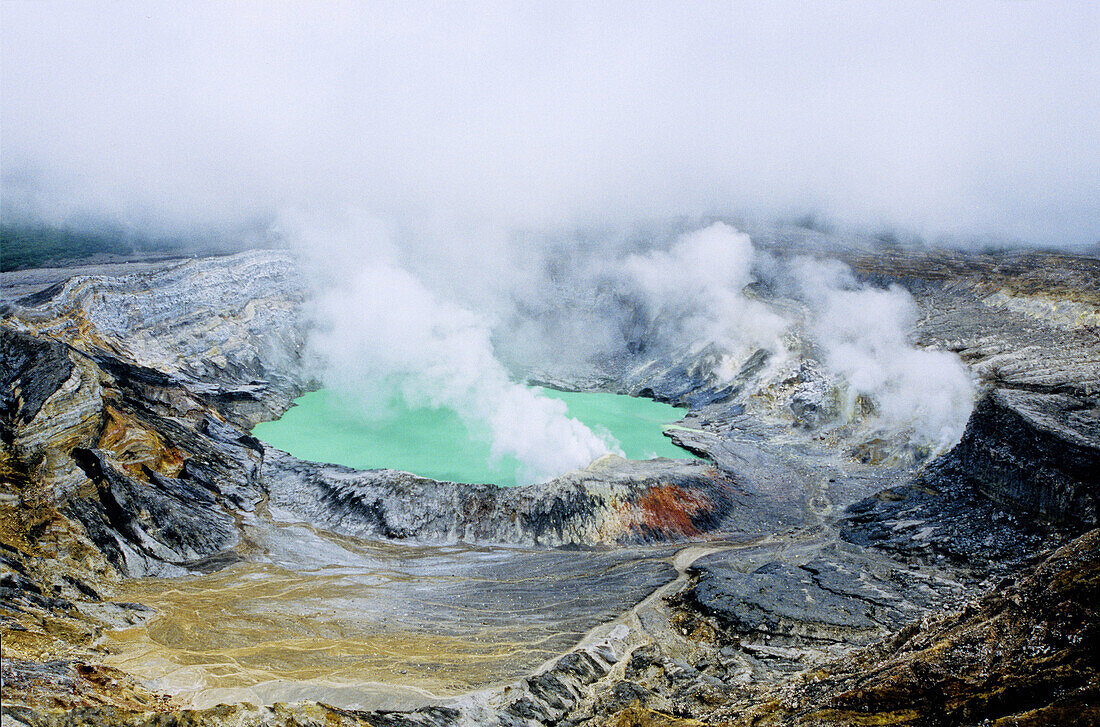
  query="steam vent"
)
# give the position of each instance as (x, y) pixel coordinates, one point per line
(549, 365)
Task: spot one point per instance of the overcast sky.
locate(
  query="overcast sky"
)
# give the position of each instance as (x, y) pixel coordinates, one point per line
(961, 117)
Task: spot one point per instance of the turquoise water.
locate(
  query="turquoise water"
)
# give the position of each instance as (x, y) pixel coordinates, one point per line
(435, 443)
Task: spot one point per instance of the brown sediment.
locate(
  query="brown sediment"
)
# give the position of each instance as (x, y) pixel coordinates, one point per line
(256, 632)
(669, 510)
(639, 716)
(135, 446)
(65, 685)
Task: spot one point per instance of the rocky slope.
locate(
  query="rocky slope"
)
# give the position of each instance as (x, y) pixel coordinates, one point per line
(1023, 655)
(127, 401)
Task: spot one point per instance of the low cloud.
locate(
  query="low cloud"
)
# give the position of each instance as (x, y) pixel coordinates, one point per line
(969, 119)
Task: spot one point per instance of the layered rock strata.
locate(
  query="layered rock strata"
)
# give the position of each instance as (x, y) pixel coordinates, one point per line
(124, 418)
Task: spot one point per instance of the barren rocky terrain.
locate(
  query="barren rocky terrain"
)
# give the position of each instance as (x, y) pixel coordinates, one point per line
(808, 570)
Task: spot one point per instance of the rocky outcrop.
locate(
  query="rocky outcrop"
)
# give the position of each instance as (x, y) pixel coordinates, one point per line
(826, 599)
(1022, 655)
(32, 370)
(142, 463)
(1026, 322)
(613, 501)
(142, 526)
(1023, 476)
(1038, 451)
(50, 404)
(227, 329)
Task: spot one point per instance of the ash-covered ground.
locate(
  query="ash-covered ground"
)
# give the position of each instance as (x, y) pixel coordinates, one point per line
(828, 561)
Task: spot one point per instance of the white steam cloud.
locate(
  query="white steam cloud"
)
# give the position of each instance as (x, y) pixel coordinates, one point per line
(700, 284)
(863, 333)
(379, 329)
(389, 320)
(697, 286)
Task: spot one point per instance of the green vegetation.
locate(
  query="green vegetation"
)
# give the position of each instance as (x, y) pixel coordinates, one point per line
(39, 245)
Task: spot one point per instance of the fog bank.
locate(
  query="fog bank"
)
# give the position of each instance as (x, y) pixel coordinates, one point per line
(973, 118)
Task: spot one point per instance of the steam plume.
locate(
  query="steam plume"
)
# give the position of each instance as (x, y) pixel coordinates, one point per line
(380, 330)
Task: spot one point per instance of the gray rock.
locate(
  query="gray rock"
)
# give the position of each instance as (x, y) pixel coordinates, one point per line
(1037, 451)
